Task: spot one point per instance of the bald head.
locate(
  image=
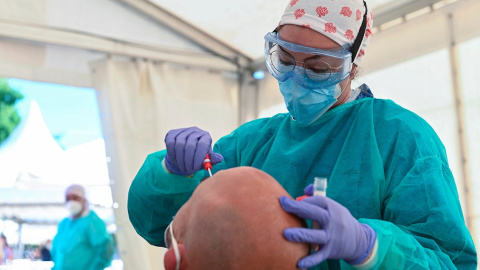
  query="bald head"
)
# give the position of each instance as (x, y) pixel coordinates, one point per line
(234, 221)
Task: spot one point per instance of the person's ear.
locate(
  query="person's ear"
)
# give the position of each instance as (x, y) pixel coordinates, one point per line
(353, 72)
(169, 261)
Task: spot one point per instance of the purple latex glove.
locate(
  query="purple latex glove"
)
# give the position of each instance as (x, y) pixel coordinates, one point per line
(308, 190)
(341, 236)
(187, 148)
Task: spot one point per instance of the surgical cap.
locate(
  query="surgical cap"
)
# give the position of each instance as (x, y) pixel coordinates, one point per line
(76, 190)
(339, 20)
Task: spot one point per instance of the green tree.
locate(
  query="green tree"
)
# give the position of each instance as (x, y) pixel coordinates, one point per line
(9, 117)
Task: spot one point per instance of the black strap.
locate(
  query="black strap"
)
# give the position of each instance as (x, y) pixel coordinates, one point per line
(361, 34)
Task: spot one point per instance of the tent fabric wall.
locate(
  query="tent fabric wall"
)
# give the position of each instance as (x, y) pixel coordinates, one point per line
(107, 18)
(54, 40)
(422, 35)
(46, 63)
(469, 57)
(139, 102)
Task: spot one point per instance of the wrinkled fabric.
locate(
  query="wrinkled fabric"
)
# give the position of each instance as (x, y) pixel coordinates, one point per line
(339, 20)
(82, 243)
(383, 163)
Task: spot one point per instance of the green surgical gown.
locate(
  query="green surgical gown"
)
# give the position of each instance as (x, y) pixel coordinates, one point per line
(383, 162)
(82, 243)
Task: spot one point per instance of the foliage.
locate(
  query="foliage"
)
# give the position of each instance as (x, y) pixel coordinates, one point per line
(9, 117)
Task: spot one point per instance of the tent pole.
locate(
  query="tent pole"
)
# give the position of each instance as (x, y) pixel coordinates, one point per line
(459, 113)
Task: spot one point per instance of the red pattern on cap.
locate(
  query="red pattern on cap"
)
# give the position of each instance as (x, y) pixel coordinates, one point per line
(361, 53)
(349, 34)
(346, 12)
(299, 13)
(337, 19)
(330, 28)
(321, 11)
(368, 33)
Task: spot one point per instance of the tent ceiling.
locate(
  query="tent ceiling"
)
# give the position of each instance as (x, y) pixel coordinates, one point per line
(243, 24)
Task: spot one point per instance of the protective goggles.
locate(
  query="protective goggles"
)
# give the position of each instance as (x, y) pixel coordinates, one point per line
(322, 69)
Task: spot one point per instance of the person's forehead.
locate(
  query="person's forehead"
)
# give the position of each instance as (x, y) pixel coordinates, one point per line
(72, 196)
(306, 37)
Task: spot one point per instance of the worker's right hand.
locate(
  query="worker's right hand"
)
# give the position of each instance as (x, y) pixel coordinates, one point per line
(340, 235)
(187, 148)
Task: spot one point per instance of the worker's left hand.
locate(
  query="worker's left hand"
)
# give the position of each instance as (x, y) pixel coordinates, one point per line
(340, 235)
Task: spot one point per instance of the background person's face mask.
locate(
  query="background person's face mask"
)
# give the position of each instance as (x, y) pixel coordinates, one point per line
(74, 207)
(307, 105)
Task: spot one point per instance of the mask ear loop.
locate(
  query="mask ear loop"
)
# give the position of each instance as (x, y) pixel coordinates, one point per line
(175, 248)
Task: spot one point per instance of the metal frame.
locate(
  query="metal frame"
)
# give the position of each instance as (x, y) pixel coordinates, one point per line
(197, 35)
(398, 9)
(82, 40)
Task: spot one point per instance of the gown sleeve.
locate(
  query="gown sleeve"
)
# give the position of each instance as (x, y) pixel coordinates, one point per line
(423, 226)
(101, 242)
(156, 195)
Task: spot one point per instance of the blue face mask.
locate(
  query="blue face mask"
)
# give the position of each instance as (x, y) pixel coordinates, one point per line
(307, 105)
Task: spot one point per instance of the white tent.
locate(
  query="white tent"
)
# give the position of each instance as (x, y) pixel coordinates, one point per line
(35, 170)
(155, 70)
(17, 160)
(31, 158)
(94, 44)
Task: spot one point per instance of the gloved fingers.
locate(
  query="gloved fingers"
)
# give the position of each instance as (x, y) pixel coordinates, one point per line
(180, 143)
(308, 190)
(305, 210)
(191, 147)
(314, 259)
(319, 201)
(304, 235)
(170, 141)
(215, 157)
(203, 145)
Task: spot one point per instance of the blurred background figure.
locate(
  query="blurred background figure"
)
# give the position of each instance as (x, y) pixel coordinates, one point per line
(44, 250)
(6, 253)
(82, 241)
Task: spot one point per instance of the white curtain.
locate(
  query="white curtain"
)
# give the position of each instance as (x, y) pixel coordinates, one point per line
(139, 103)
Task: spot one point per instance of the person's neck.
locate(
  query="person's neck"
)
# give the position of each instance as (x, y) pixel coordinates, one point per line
(344, 96)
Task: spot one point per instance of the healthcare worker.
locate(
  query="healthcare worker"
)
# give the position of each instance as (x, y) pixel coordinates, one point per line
(391, 199)
(82, 241)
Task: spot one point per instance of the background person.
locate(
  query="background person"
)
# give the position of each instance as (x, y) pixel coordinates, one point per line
(6, 253)
(82, 241)
(44, 250)
(392, 200)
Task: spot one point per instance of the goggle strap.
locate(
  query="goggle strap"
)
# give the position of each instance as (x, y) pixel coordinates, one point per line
(361, 34)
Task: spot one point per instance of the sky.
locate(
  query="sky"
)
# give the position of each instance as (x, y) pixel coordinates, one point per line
(70, 113)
